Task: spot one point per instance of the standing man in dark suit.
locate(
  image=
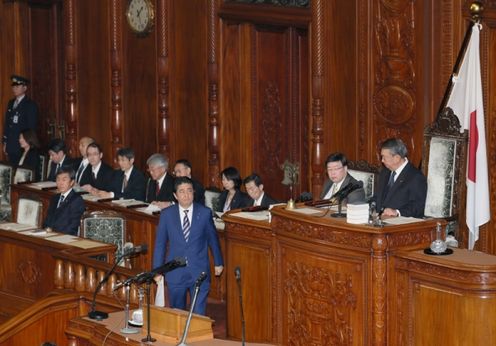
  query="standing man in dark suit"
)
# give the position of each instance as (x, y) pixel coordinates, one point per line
(58, 158)
(160, 188)
(187, 230)
(128, 181)
(21, 114)
(337, 170)
(66, 207)
(183, 168)
(255, 188)
(98, 175)
(402, 187)
(81, 163)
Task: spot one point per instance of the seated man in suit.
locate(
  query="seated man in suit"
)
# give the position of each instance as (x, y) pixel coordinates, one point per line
(66, 207)
(98, 175)
(187, 230)
(182, 168)
(128, 181)
(402, 188)
(255, 188)
(160, 187)
(81, 163)
(58, 158)
(337, 170)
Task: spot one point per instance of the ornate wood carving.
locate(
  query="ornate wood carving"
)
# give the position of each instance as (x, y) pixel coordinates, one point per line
(317, 94)
(163, 76)
(213, 97)
(326, 304)
(58, 279)
(379, 289)
(283, 3)
(394, 93)
(396, 240)
(69, 275)
(72, 111)
(29, 271)
(116, 57)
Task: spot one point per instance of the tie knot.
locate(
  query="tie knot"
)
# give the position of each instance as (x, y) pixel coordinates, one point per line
(186, 212)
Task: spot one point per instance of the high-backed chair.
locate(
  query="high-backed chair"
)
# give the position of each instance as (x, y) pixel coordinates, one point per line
(105, 226)
(23, 175)
(6, 172)
(212, 198)
(29, 212)
(366, 173)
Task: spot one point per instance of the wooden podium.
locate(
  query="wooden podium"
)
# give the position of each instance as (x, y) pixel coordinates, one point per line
(168, 325)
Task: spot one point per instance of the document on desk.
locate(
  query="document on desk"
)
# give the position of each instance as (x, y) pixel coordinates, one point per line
(43, 185)
(152, 208)
(262, 215)
(401, 220)
(64, 239)
(85, 243)
(306, 211)
(88, 197)
(15, 227)
(127, 202)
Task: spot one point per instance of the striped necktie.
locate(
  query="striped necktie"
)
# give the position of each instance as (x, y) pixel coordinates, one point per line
(186, 225)
(61, 200)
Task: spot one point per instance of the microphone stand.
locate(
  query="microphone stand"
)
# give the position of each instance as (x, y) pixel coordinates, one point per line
(190, 315)
(100, 315)
(148, 335)
(243, 329)
(127, 329)
(339, 214)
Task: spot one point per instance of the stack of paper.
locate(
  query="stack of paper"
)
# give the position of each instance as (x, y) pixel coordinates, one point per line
(357, 213)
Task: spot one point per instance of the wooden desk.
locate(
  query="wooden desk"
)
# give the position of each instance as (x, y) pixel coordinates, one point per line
(314, 280)
(140, 229)
(444, 300)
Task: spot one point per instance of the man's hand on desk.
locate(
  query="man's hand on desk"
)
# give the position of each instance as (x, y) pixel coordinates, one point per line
(104, 194)
(390, 212)
(218, 270)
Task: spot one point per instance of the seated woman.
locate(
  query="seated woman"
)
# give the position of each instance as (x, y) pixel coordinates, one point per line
(232, 197)
(30, 157)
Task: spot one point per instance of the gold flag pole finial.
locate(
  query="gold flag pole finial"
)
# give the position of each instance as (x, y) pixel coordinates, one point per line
(476, 9)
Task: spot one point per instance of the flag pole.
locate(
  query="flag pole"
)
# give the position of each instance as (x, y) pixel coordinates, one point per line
(476, 10)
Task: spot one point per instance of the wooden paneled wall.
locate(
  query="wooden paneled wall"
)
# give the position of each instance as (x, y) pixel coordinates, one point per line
(251, 85)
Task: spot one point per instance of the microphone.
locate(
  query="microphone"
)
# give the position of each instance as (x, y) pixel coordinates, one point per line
(132, 251)
(200, 279)
(148, 276)
(237, 275)
(345, 191)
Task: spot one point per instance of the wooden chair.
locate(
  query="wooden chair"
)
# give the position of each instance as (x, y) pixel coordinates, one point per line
(29, 212)
(212, 198)
(105, 226)
(23, 175)
(6, 173)
(363, 171)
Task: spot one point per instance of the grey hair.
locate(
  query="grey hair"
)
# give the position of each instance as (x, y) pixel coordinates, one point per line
(395, 146)
(158, 160)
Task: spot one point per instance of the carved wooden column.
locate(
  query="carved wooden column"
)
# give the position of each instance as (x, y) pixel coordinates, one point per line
(116, 55)
(213, 93)
(317, 99)
(163, 77)
(379, 290)
(72, 113)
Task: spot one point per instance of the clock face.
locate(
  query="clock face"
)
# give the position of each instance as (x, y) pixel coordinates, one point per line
(140, 15)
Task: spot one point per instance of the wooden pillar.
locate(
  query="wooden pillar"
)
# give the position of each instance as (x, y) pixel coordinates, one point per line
(72, 112)
(213, 99)
(116, 56)
(163, 77)
(317, 94)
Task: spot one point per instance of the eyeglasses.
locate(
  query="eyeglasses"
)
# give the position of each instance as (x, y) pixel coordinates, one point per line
(335, 169)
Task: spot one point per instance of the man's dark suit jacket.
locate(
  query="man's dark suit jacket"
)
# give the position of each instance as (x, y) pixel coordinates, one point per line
(103, 179)
(68, 163)
(66, 218)
(266, 201)
(199, 192)
(166, 193)
(240, 200)
(32, 162)
(23, 117)
(356, 196)
(407, 194)
(135, 185)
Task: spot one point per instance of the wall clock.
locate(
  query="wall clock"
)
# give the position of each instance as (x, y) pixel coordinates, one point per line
(140, 16)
